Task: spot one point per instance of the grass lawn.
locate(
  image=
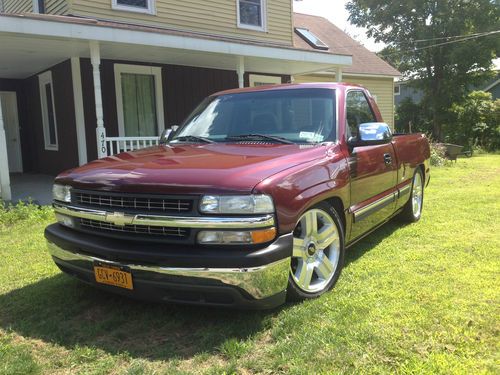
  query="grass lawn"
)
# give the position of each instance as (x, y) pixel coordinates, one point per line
(421, 298)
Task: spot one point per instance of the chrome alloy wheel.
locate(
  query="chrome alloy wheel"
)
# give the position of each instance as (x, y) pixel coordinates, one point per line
(417, 195)
(316, 251)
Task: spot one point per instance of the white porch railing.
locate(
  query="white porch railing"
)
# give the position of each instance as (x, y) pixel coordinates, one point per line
(115, 145)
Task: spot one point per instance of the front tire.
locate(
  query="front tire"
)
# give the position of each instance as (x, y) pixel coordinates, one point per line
(318, 253)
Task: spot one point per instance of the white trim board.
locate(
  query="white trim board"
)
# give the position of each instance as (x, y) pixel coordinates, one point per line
(79, 112)
(139, 69)
(44, 79)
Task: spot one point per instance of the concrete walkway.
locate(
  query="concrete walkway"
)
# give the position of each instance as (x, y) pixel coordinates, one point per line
(26, 186)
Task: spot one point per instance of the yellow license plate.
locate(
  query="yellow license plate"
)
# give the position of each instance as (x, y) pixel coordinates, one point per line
(111, 275)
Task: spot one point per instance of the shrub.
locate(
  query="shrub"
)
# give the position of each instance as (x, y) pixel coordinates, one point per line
(11, 214)
(438, 158)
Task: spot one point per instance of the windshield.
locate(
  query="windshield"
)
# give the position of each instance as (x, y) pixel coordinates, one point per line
(276, 116)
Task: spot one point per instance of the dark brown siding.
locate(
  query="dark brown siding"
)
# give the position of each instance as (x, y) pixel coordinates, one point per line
(41, 160)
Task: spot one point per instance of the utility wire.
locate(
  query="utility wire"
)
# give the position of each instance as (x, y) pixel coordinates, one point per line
(444, 43)
(454, 36)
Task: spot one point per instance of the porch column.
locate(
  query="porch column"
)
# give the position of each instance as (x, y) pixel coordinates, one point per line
(95, 58)
(4, 162)
(241, 72)
(338, 74)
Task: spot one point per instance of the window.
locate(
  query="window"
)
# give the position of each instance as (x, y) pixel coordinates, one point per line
(310, 38)
(139, 100)
(1, 6)
(252, 14)
(48, 111)
(358, 111)
(140, 6)
(261, 80)
(397, 89)
(303, 116)
(39, 6)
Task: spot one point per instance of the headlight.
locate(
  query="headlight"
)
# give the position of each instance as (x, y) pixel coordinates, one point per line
(61, 193)
(237, 204)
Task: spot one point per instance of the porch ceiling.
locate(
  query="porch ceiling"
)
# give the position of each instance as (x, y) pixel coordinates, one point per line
(30, 45)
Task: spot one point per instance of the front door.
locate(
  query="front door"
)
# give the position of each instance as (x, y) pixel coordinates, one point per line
(373, 171)
(11, 124)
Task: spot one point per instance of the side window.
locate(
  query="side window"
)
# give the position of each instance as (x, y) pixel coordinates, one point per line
(48, 111)
(358, 111)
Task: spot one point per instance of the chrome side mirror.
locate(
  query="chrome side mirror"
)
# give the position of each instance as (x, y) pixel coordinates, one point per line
(167, 134)
(370, 134)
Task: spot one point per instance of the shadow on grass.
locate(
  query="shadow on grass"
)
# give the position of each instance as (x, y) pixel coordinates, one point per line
(66, 312)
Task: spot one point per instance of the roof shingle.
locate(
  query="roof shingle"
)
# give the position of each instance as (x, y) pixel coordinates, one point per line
(363, 60)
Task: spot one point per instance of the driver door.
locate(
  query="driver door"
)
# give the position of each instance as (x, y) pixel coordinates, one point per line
(373, 171)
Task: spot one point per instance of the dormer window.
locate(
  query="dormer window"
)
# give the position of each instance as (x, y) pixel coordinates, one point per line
(140, 6)
(310, 38)
(252, 14)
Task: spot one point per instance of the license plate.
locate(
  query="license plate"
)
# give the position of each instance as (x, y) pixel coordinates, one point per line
(113, 275)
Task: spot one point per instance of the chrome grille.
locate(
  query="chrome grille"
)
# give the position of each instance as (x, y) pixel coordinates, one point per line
(132, 202)
(135, 229)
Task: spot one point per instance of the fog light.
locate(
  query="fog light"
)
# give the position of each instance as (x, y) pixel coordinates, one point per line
(67, 221)
(236, 237)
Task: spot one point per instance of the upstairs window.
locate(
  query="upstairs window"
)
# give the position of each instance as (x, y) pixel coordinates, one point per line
(39, 6)
(140, 6)
(252, 14)
(310, 38)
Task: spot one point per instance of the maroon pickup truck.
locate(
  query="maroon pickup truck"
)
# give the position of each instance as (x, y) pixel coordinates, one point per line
(252, 200)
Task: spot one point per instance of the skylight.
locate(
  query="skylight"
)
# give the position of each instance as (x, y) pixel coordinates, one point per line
(310, 38)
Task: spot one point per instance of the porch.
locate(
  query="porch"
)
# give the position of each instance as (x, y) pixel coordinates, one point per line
(84, 89)
(31, 187)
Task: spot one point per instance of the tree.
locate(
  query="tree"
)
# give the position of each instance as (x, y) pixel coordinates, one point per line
(435, 42)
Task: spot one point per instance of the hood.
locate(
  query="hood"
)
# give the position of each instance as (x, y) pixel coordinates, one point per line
(188, 169)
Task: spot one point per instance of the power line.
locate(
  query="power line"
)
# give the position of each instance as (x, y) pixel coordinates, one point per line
(454, 36)
(445, 43)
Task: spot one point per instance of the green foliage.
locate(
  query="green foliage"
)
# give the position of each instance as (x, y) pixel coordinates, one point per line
(419, 35)
(412, 117)
(476, 122)
(438, 157)
(14, 214)
(412, 299)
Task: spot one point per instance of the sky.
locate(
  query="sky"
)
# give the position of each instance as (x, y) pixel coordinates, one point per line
(334, 11)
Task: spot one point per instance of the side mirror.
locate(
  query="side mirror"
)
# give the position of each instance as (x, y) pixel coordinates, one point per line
(370, 134)
(167, 134)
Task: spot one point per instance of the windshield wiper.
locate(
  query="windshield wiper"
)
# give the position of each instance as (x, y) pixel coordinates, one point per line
(193, 138)
(259, 136)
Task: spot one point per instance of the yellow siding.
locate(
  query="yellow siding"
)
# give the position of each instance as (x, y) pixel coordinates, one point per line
(56, 7)
(382, 88)
(213, 17)
(17, 6)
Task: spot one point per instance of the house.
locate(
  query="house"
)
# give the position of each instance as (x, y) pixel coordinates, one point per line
(404, 90)
(81, 79)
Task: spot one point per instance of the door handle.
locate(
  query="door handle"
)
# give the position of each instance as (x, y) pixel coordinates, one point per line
(387, 159)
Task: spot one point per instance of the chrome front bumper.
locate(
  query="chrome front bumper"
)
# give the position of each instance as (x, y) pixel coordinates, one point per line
(258, 283)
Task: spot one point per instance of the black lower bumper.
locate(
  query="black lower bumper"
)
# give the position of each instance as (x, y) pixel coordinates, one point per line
(217, 277)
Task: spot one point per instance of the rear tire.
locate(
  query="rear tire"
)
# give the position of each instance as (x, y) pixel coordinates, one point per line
(318, 253)
(412, 210)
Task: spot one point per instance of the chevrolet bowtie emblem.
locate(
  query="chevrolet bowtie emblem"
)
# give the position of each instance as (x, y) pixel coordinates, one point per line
(119, 219)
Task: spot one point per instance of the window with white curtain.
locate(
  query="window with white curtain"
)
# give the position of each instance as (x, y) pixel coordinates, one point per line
(139, 100)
